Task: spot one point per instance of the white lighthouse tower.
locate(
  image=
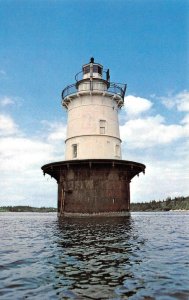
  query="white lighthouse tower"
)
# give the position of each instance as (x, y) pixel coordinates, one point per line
(93, 103)
(93, 179)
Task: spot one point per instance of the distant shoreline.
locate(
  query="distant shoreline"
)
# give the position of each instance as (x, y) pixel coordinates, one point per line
(169, 204)
(177, 204)
(21, 208)
(132, 211)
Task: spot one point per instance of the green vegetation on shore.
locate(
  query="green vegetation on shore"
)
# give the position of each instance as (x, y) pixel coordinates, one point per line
(21, 208)
(177, 203)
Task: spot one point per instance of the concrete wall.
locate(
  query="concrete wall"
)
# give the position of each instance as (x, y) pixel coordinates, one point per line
(93, 126)
(93, 146)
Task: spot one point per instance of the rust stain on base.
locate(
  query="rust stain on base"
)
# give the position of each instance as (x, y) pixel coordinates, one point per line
(97, 187)
(103, 214)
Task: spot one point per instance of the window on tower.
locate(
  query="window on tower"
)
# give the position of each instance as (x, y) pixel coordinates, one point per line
(86, 69)
(74, 150)
(97, 69)
(117, 151)
(102, 126)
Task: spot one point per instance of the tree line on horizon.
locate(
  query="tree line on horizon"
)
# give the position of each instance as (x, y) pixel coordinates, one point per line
(23, 208)
(177, 203)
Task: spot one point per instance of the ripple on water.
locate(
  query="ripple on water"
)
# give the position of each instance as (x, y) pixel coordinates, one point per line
(144, 256)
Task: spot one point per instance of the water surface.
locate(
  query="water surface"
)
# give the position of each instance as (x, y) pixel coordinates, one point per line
(145, 256)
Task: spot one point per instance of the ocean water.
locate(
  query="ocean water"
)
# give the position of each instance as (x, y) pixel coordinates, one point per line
(144, 256)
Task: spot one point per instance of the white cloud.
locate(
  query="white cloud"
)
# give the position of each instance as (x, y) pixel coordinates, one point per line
(185, 120)
(163, 147)
(162, 179)
(28, 187)
(150, 132)
(21, 153)
(7, 125)
(147, 137)
(21, 158)
(4, 101)
(183, 101)
(56, 131)
(135, 106)
(179, 101)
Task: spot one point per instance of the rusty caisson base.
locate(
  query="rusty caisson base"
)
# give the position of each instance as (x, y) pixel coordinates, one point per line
(93, 187)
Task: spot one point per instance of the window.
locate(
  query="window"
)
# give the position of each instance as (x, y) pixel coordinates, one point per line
(86, 69)
(102, 126)
(97, 69)
(74, 150)
(117, 151)
(100, 70)
(102, 130)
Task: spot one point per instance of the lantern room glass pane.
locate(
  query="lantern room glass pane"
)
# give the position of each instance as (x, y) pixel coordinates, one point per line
(97, 69)
(86, 69)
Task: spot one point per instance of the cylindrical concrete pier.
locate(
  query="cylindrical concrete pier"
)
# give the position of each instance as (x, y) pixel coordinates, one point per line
(93, 187)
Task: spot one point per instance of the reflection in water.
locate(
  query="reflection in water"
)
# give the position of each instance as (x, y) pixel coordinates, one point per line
(143, 257)
(96, 256)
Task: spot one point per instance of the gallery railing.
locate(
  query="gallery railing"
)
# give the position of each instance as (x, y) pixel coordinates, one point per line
(111, 87)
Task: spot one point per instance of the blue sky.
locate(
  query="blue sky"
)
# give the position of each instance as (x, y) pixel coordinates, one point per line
(43, 46)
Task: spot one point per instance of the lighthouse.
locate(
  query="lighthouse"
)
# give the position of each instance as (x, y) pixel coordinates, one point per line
(93, 179)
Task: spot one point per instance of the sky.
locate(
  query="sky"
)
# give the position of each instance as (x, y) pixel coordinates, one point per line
(43, 44)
